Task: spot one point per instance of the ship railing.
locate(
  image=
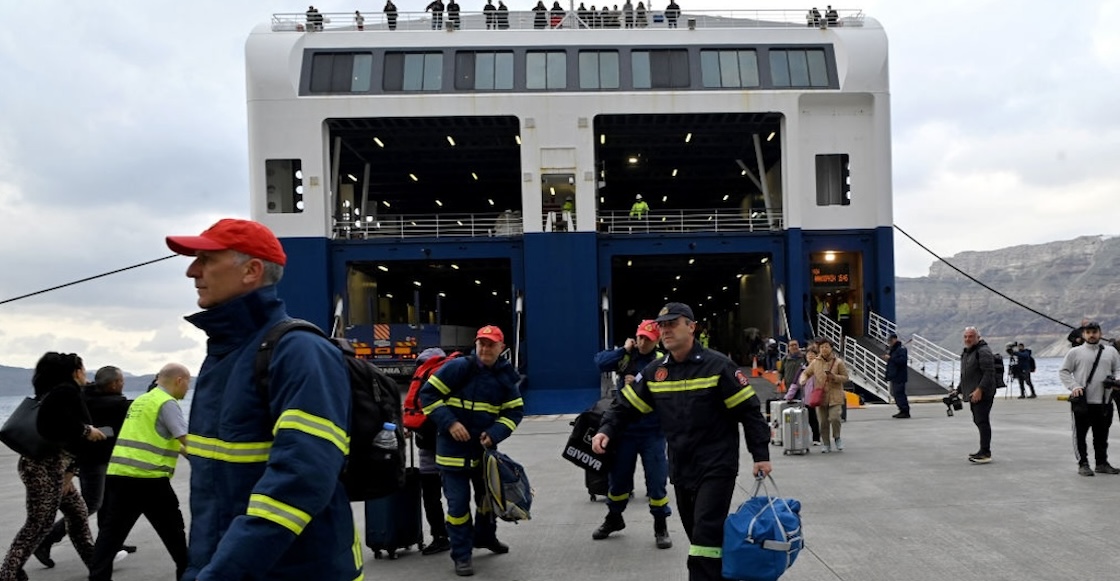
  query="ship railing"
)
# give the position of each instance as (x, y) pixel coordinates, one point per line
(527, 20)
(431, 225)
(694, 220)
(830, 329)
(879, 327)
(866, 369)
(933, 361)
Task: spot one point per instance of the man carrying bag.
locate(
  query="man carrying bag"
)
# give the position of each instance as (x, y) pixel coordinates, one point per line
(1083, 373)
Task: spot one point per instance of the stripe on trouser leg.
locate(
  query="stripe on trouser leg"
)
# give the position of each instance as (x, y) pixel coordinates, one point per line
(458, 520)
(708, 552)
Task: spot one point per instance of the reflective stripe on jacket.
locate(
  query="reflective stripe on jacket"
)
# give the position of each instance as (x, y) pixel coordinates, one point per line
(141, 452)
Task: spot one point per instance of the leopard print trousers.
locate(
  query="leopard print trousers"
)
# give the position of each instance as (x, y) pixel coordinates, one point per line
(43, 480)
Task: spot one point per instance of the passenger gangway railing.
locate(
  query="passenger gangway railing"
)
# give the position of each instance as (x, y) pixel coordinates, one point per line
(933, 361)
(879, 327)
(830, 329)
(867, 369)
(377, 20)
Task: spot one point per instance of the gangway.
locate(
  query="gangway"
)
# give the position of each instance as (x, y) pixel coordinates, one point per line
(865, 368)
(934, 361)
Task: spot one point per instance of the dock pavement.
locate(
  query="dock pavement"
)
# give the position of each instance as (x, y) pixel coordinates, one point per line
(901, 503)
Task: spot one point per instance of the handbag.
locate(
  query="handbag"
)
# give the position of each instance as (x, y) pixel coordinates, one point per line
(816, 398)
(21, 432)
(762, 538)
(1080, 404)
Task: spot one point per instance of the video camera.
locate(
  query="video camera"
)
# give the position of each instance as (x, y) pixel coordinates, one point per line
(1011, 347)
(952, 402)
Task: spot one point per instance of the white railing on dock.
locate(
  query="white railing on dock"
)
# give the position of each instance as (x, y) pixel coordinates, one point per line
(934, 361)
(826, 327)
(866, 369)
(879, 328)
(376, 20)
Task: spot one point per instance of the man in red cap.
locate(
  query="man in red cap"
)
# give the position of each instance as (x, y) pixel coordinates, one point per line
(642, 438)
(260, 506)
(475, 403)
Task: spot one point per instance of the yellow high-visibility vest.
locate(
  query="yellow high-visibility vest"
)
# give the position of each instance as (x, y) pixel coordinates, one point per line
(141, 452)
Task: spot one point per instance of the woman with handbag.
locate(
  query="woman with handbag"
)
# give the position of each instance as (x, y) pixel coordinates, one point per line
(63, 419)
(829, 374)
(803, 390)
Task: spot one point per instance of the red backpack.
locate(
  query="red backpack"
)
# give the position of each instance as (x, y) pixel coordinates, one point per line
(414, 417)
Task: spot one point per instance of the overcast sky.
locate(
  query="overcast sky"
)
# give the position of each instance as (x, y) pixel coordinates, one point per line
(124, 121)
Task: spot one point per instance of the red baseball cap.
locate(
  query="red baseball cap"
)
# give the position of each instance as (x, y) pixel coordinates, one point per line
(648, 329)
(492, 333)
(244, 236)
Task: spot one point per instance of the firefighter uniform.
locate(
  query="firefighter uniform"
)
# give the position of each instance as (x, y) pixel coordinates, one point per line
(700, 402)
(482, 399)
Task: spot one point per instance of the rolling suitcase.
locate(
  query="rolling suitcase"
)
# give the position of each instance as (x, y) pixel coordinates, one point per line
(393, 522)
(776, 406)
(795, 429)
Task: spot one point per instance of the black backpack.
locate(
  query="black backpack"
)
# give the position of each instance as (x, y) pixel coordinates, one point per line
(369, 472)
(998, 370)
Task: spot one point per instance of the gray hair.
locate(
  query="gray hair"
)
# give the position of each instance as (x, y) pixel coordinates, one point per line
(272, 272)
(107, 375)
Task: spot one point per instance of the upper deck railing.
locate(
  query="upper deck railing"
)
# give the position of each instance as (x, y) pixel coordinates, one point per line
(529, 20)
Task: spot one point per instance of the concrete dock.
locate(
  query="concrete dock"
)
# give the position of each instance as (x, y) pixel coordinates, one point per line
(902, 502)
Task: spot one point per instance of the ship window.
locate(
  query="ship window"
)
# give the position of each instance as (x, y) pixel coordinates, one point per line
(834, 180)
(659, 69)
(283, 180)
(413, 71)
(729, 68)
(598, 69)
(546, 70)
(484, 71)
(341, 72)
(798, 68)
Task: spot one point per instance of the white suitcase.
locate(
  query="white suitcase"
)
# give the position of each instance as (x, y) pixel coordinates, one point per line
(776, 408)
(795, 429)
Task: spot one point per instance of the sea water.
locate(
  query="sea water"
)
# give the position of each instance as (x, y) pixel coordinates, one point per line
(9, 403)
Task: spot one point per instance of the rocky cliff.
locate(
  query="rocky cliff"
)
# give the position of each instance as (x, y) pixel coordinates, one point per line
(1067, 280)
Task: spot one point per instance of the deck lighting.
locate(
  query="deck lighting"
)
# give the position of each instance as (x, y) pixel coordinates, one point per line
(771, 136)
(351, 176)
(517, 138)
(692, 261)
(386, 202)
(495, 293)
(552, 190)
(459, 222)
(629, 263)
(678, 277)
(765, 259)
(490, 200)
(382, 268)
(475, 176)
(740, 275)
(444, 295)
(455, 266)
(451, 141)
(439, 203)
(477, 281)
(724, 288)
(602, 139)
(674, 289)
(829, 256)
(378, 141)
(674, 172)
(602, 200)
(369, 218)
(416, 282)
(388, 295)
(413, 176)
(688, 138)
(709, 297)
(664, 198)
(743, 173)
(299, 205)
(345, 203)
(632, 160)
(725, 196)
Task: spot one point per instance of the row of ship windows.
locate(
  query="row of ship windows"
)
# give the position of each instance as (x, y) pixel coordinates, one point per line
(353, 72)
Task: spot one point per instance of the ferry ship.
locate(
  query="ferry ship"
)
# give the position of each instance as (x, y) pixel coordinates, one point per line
(429, 176)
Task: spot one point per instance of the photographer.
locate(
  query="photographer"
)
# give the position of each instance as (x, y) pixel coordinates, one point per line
(1083, 373)
(1022, 369)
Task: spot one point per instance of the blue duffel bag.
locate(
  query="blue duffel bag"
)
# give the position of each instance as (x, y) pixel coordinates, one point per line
(763, 537)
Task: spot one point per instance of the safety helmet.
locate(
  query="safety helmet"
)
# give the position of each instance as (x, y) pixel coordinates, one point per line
(638, 197)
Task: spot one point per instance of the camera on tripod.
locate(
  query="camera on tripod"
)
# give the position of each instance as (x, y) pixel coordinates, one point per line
(952, 402)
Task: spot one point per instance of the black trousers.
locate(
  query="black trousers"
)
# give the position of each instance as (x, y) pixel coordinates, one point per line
(125, 500)
(703, 510)
(981, 416)
(1098, 419)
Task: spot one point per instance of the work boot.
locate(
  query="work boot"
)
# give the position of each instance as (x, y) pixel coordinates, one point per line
(438, 545)
(612, 523)
(661, 532)
(1032, 395)
(494, 546)
(464, 568)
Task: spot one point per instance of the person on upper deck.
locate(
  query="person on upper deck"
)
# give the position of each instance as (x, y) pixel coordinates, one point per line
(640, 16)
(488, 12)
(453, 14)
(391, 14)
(540, 15)
(628, 14)
(640, 208)
(436, 8)
(503, 16)
(672, 13)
